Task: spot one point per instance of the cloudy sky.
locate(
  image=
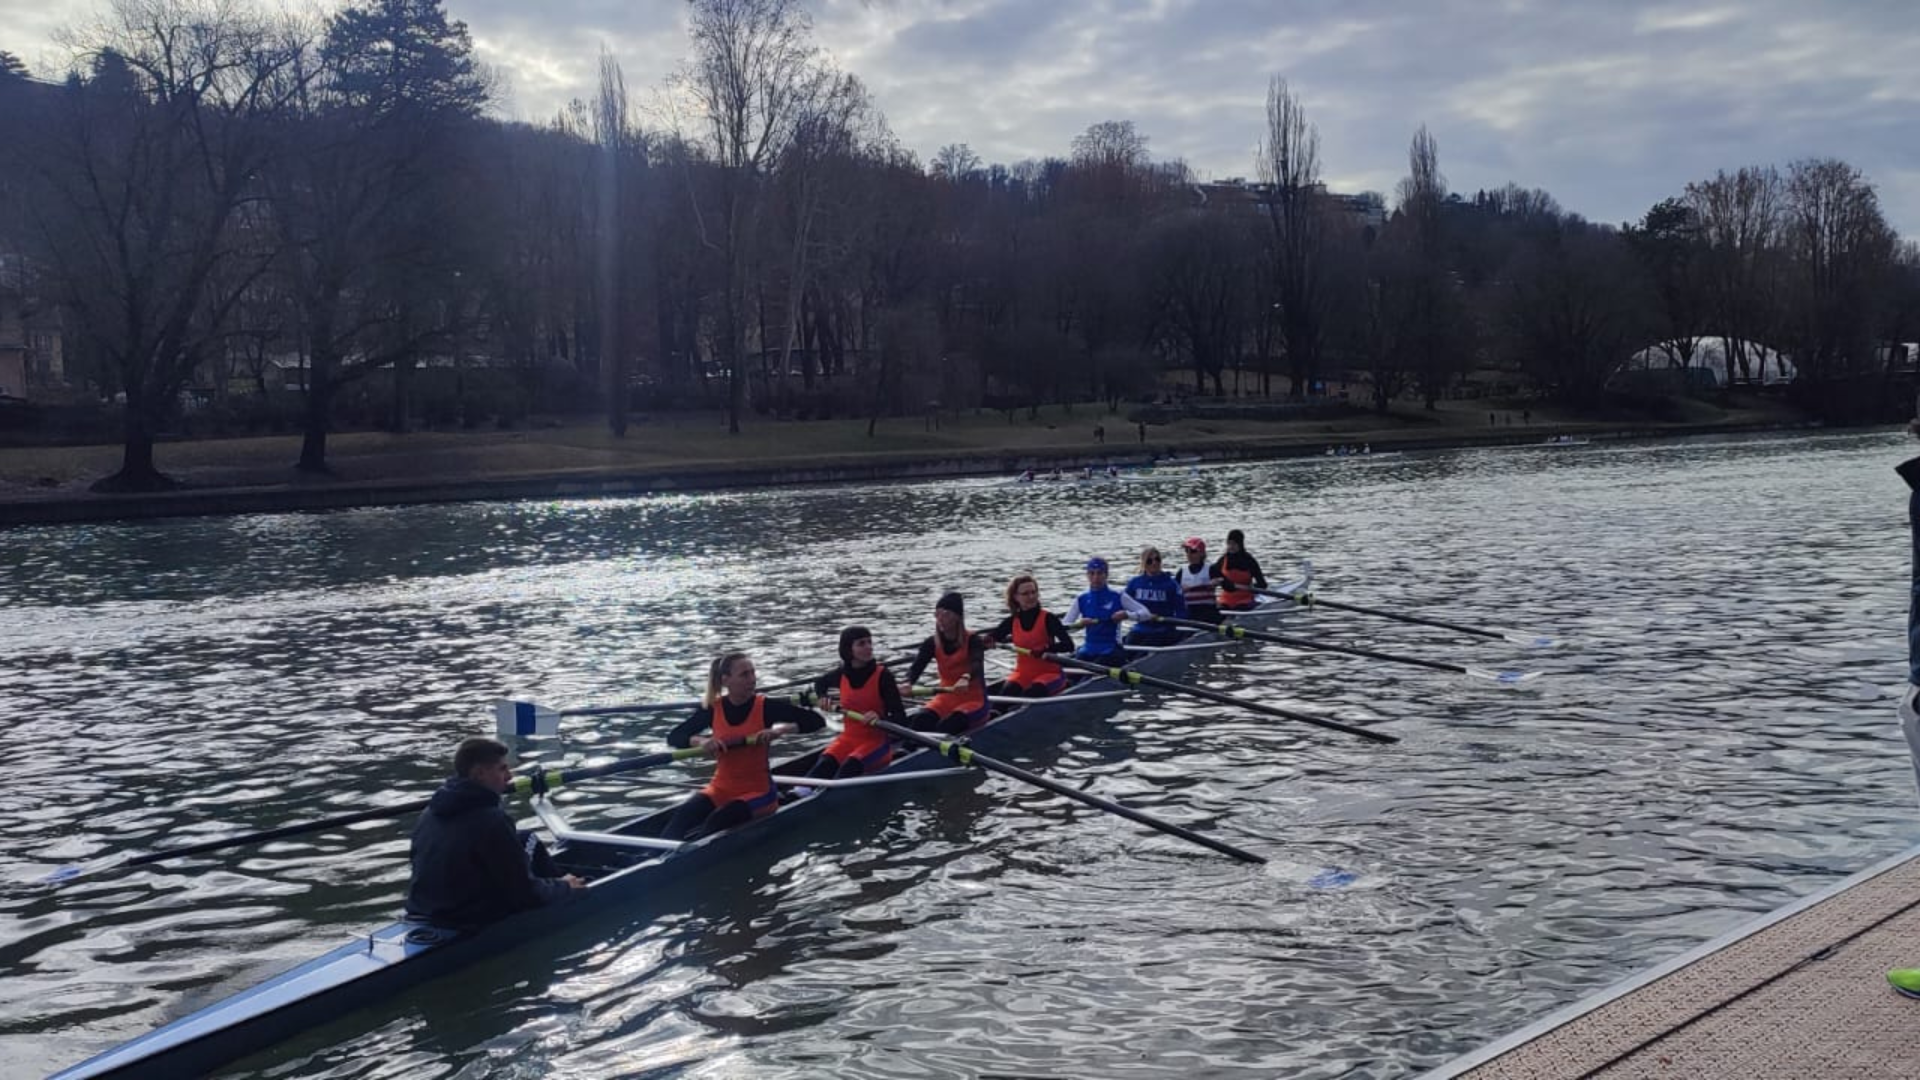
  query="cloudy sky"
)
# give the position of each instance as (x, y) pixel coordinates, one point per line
(1610, 105)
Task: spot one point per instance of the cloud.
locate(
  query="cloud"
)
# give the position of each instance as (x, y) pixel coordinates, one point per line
(1608, 106)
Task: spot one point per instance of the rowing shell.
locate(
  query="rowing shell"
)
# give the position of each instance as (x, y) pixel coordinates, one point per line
(620, 864)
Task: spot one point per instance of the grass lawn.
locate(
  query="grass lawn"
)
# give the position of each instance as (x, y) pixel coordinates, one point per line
(585, 446)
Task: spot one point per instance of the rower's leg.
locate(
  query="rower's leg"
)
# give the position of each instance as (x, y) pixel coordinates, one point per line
(850, 768)
(737, 812)
(923, 720)
(826, 765)
(691, 813)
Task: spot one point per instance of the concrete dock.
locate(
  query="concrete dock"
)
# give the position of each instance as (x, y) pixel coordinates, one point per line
(1798, 993)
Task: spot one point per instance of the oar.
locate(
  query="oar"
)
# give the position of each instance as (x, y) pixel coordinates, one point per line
(1531, 641)
(966, 756)
(528, 713)
(531, 713)
(1128, 675)
(522, 785)
(1236, 631)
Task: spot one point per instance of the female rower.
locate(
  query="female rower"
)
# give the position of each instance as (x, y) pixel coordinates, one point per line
(1241, 574)
(742, 785)
(1035, 629)
(1160, 593)
(1101, 609)
(865, 688)
(960, 661)
(1197, 582)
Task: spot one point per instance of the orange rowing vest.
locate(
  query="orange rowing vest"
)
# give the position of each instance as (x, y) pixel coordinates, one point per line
(1242, 596)
(1029, 670)
(859, 739)
(952, 667)
(740, 772)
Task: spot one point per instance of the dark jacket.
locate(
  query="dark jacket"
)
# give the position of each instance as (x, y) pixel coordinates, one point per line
(470, 865)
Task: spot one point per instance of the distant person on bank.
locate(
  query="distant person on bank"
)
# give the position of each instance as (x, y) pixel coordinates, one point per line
(470, 865)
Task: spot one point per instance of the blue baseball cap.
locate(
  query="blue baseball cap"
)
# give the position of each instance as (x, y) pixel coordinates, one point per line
(1096, 563)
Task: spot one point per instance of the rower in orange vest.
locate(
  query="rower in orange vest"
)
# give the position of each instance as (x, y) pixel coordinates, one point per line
(1037, 630)
(1240, 574)
(865, 688)
(959, 660)
(742, 785)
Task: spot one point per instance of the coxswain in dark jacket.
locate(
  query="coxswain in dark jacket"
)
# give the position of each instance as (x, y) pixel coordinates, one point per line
(470, 865)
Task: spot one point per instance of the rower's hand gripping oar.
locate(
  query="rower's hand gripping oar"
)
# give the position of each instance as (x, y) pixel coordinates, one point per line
(533, 784)
(966, 756)
(1234, 630)
(1135, 678)
(1531, 641)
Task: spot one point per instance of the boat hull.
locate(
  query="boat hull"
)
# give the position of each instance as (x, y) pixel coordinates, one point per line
(401, 955)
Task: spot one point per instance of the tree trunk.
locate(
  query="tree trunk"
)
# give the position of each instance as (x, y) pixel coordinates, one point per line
(313, 440)
(398, 423)
(137, 472)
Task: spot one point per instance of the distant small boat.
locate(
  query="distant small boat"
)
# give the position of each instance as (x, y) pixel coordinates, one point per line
(1191, 459)
(1564, 440)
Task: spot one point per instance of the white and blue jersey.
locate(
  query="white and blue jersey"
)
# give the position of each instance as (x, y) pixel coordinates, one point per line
(1161, 594)
(1096, 607)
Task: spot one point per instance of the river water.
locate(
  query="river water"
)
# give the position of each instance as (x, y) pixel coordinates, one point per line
(1717, 738)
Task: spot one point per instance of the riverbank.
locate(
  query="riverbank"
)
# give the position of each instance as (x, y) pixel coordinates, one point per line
(252, 475)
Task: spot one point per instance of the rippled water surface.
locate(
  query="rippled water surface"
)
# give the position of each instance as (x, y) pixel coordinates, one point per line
(1718, 739)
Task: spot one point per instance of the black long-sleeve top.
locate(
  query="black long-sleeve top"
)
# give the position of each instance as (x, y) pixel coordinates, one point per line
(977, 646)
(1240, 560)
(778, 711)
(1062, 641)
(890, 702)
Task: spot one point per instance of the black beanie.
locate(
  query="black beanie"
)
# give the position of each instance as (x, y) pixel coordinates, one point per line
(952, 602)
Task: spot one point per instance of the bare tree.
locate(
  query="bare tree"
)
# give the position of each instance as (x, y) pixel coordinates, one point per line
(1577, 309)
(1739, 220)
(1197, 277)
(1840, 252)
(1110, 143)
(955, 162)
(1438, 332)
(1289, 163)
(755, 73)
(360, 199)
(1667, 241)
(620, 248)
(147, 217)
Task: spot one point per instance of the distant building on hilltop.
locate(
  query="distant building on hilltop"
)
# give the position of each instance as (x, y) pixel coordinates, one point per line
(1368, 209)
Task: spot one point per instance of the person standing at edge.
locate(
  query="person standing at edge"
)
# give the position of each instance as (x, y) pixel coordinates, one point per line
(1101, 609)
(1241, 574)
(1907, 980)
(1197, 581)
(470, 865)
(742, 785)
(1162, 595)
(960, 662)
